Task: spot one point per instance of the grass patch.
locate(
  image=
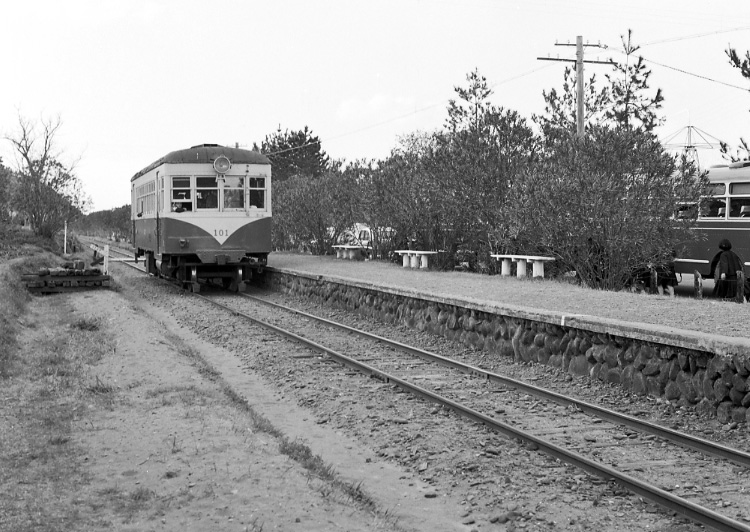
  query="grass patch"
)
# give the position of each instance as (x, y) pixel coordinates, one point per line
(15, 299)
(101, 388)
(41, 474)
(43, 392)
(86, 324)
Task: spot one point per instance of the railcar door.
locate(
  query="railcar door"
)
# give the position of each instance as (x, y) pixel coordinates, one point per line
(159, 203)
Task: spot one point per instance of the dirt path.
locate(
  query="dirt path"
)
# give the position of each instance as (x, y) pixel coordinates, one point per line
(170, 451)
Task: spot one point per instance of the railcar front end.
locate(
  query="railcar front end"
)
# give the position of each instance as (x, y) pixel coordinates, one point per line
(204, 213)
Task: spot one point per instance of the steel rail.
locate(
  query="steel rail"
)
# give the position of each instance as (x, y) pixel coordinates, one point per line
(660, 497)
(686, 440)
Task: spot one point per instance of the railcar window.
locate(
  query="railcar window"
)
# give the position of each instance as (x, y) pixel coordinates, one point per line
(206, 193)
(181, 197)
(257, 192)
(146, 195)
(234, 192)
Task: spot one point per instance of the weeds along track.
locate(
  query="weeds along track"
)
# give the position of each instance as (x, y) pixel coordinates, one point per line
(657, 463)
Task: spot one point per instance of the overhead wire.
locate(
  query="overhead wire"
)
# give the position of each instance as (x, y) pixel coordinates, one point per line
(682, 71)
(695, 36)
(400, 117)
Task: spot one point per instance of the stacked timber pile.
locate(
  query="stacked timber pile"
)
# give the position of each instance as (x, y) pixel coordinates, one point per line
(71, 276)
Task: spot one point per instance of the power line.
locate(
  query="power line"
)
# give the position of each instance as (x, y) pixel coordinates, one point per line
(696, 35)
(400, 117)
(696, 75)
(682, 71)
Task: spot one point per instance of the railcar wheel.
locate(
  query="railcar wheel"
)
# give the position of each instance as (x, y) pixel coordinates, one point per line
(151, 264)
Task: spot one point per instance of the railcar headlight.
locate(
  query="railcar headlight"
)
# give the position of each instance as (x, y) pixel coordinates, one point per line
(184, 243)
(222, 164)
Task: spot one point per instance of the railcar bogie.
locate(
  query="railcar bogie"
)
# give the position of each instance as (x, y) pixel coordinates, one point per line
(204, 213)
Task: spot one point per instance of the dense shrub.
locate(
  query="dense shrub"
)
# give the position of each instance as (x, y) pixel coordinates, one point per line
(604, 204)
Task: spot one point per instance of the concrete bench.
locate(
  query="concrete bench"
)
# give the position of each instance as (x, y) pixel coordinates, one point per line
(522, 260)
(415, 259)
(348, 251)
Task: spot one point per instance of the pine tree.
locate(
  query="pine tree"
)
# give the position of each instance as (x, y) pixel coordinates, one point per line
(743, 151)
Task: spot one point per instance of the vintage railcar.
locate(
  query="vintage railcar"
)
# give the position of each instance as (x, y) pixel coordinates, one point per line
(204, 213)
(724, 214)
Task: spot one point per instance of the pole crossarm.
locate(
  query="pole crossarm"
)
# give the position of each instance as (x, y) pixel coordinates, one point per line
(579, 61)
(574, 60)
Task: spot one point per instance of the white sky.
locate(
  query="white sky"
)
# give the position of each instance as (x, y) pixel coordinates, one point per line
(134, 80)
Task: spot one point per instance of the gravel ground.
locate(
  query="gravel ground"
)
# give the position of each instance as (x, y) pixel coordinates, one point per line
(708, 315)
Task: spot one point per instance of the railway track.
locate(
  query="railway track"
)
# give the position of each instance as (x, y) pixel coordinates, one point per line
(667, 467)
(657, 463)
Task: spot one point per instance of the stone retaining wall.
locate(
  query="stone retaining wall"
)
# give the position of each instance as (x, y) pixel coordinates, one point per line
(691, 369)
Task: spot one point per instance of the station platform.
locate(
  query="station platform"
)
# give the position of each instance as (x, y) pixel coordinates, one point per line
(683, 312)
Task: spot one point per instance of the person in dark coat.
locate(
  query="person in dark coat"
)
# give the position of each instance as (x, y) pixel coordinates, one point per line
(728, 263)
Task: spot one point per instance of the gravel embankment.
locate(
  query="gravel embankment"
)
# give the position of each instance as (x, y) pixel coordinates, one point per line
(494, 483)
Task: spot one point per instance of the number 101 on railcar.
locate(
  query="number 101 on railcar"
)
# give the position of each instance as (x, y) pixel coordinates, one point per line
(204, 213)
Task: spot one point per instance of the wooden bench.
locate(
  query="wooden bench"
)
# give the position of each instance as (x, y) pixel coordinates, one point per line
(415, 259)
(348, 251)
(522, 260)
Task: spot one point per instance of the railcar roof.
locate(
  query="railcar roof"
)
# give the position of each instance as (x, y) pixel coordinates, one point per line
(206, 153)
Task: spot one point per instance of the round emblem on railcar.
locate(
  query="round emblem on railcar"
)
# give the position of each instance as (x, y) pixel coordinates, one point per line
(222, 164)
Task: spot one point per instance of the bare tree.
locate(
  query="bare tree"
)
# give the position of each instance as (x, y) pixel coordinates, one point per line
(5, 188)
(48, 192)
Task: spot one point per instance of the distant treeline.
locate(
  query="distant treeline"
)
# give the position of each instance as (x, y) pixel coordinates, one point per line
(106, 223)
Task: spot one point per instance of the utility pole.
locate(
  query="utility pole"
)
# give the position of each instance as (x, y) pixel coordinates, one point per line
(579, 61)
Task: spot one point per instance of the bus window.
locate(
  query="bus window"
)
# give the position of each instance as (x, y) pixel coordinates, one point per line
(206, 193)
(234, 192)
(739, 189)
(717, 189)
(713, 208)
(739, 207)
(686, 211)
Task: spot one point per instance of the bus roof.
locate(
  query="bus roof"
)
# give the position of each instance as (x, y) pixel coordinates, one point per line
(206, 153)
(732, 172)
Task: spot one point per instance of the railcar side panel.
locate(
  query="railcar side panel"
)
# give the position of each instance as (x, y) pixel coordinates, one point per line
(145, 234)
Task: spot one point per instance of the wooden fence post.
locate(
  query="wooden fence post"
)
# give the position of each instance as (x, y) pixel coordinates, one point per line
(739, 296)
